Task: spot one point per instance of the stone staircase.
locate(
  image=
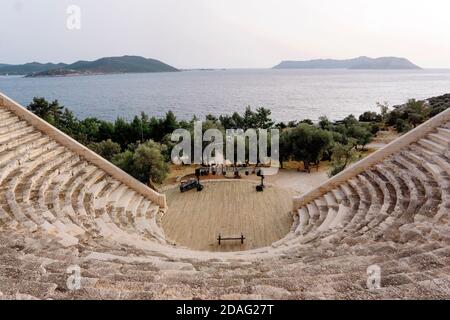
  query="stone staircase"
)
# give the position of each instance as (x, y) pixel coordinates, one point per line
(62, 206)
(46, 186)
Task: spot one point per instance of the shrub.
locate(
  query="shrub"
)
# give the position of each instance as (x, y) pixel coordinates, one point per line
(107, 149)
(146, 163)
(342, 156)
(369, 116)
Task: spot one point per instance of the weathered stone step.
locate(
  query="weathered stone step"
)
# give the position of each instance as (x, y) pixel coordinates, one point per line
(433, 146)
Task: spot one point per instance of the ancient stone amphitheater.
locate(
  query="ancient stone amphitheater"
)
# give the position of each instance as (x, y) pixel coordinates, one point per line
(63, 206)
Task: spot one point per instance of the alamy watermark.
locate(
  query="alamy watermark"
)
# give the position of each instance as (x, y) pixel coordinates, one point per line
(74, 280)
(73, 21)
(374, 277)
(235, 147)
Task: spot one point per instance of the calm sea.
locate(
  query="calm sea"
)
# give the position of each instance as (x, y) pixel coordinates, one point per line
(290, 94)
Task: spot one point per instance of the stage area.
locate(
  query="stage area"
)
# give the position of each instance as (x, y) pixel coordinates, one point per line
(195, 219)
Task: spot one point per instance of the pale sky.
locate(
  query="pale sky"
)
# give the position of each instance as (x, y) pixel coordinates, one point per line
(227, 33)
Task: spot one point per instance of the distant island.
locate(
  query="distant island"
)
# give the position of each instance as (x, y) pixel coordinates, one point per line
(28, 68)
(137, 64)
(109, 65)
(383, 63)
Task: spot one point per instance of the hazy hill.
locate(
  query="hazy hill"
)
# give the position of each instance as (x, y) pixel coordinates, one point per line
(27, 68)
(121, 65)
(356, 63)
(125, 64)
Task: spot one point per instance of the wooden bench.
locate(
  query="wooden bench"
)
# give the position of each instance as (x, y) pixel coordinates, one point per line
(221, 238)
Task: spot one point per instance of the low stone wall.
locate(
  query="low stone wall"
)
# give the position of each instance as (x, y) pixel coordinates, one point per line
(375, 158)
(78, 148)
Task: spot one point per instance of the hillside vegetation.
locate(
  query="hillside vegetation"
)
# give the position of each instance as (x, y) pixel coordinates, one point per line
(125, 64)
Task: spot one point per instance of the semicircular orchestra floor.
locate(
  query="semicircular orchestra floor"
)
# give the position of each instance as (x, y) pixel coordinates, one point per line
(195, 219)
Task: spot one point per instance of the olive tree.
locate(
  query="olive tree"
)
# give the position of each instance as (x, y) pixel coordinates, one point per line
(107, 149)
(146, 163)
(309, 143)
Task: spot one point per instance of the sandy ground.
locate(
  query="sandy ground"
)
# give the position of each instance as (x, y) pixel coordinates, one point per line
(301, 182)
(298, 181)
(195, 219)
(382, 139)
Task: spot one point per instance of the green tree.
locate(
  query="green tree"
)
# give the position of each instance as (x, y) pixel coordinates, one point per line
(49, 111)
(105, 131)
(249, 119)
(149, 162)
(361, 135)
(107, 149)
(285, 146)
(384, 112)
(237, 121)
(417, 112)
(370, 116)
(307, 121)
(123, 133)
(342, 156)
(402, 126)
(89, 128)
(68, 123)
(263, 119)
(146, 163)
(169, 123)
(309, 144)
(125, 162)
(210, 117)
(350, 120)
(324, 123)
(410, 115)
(336, 137)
